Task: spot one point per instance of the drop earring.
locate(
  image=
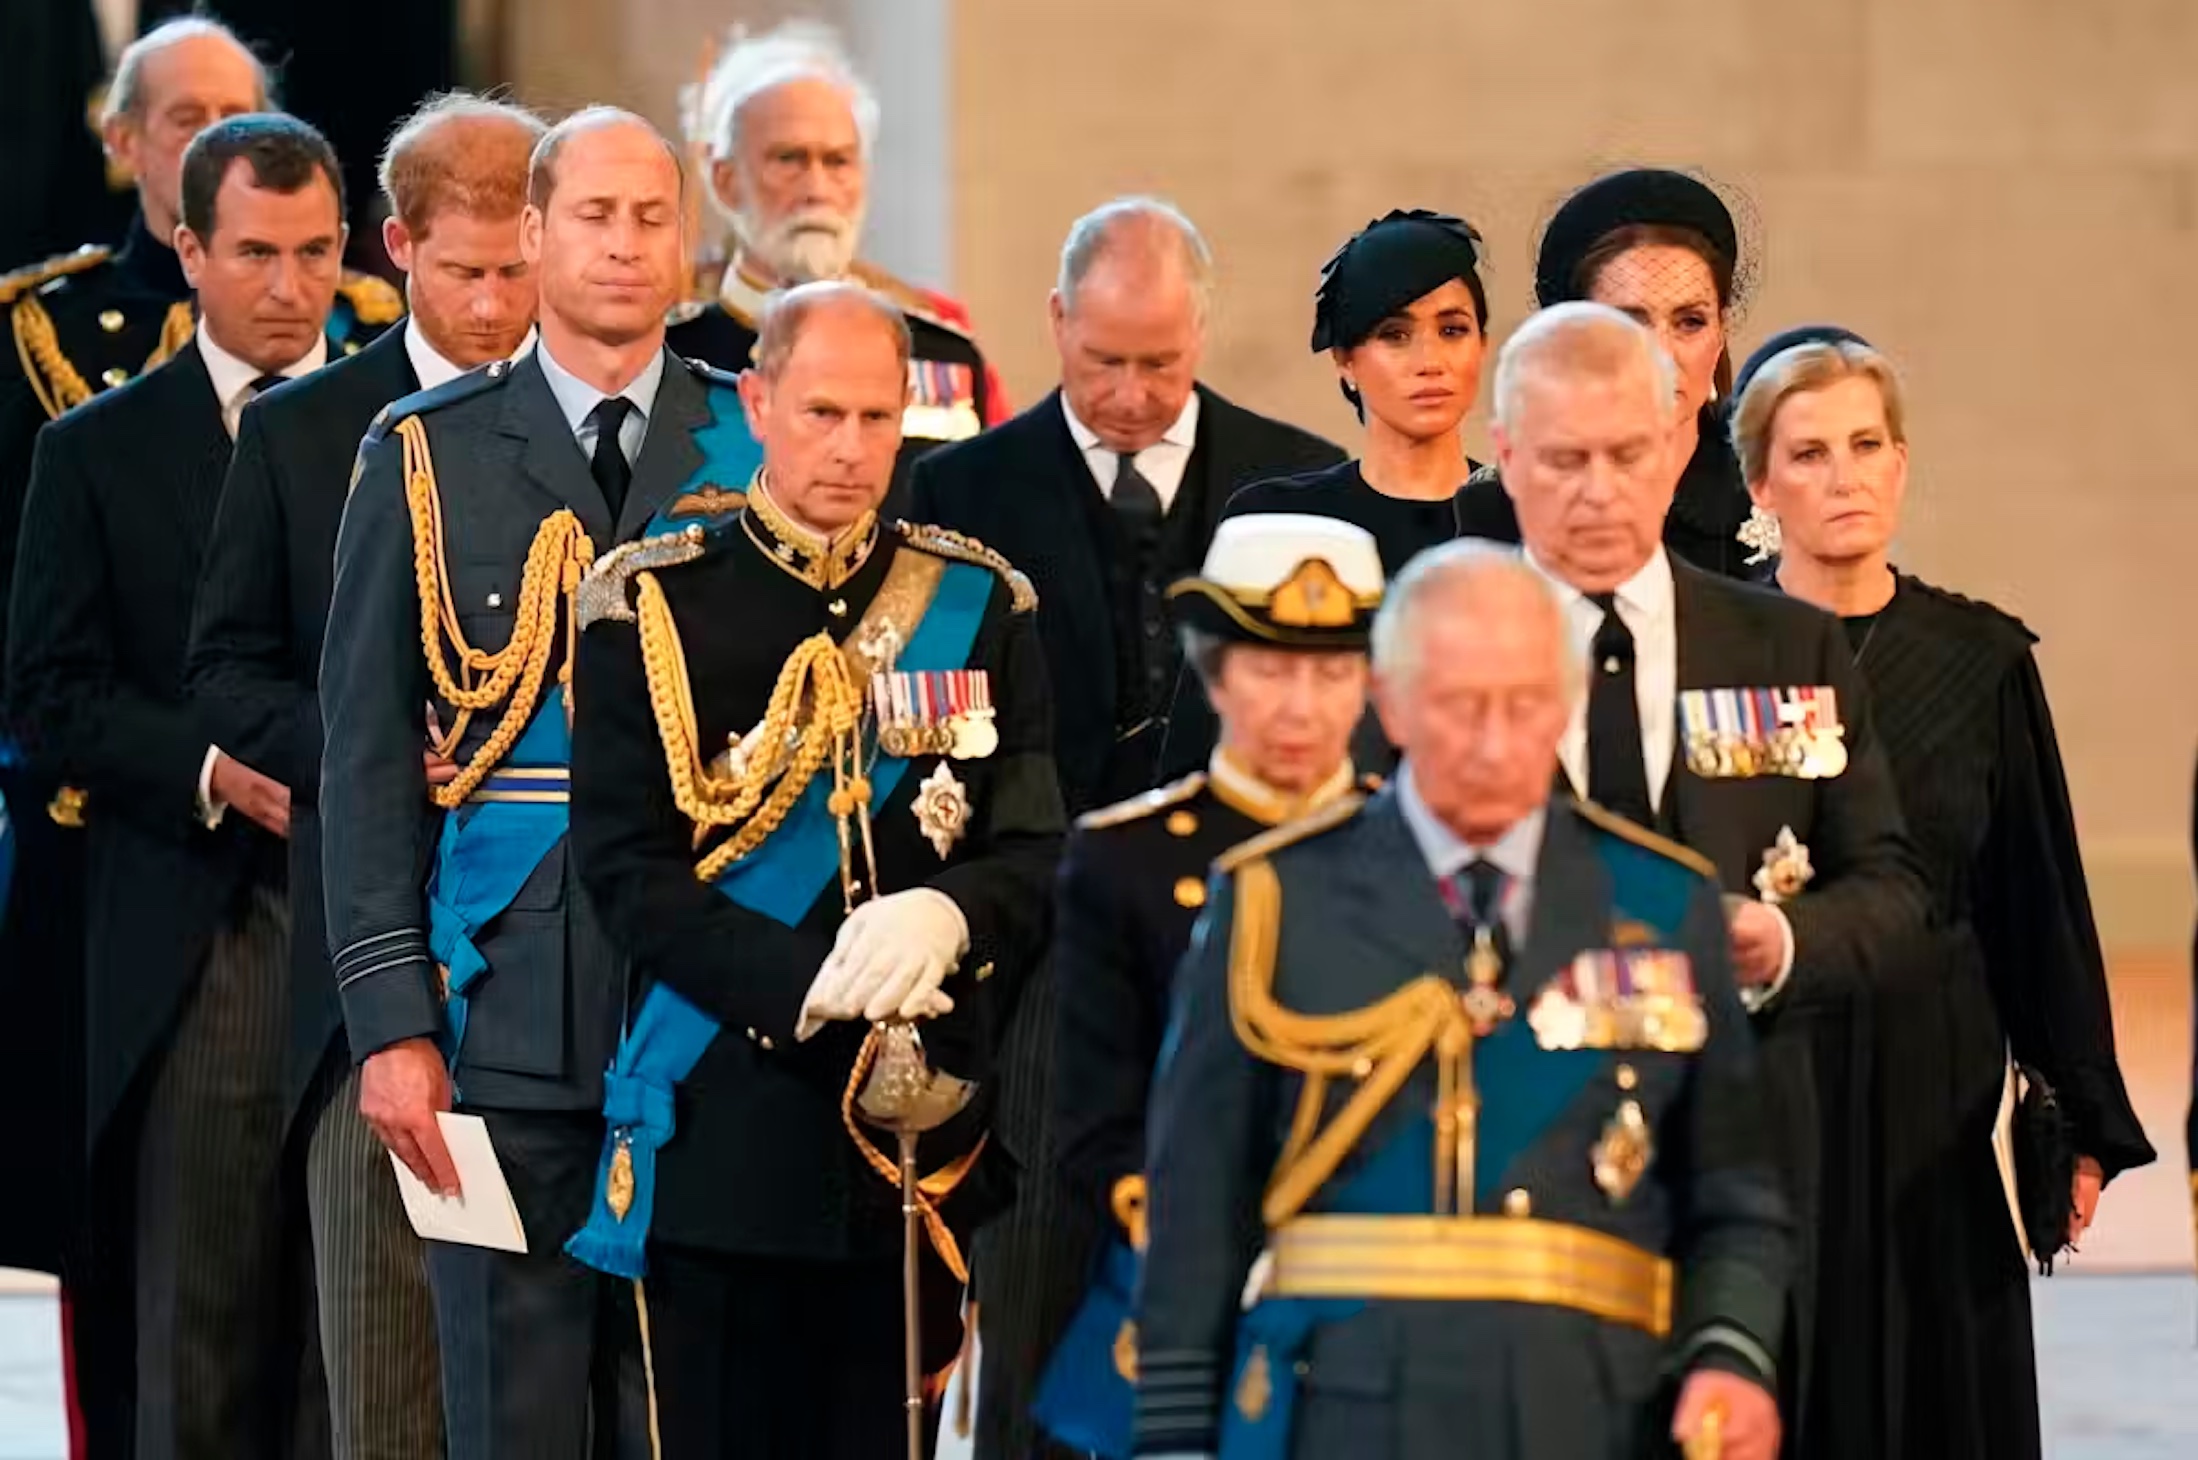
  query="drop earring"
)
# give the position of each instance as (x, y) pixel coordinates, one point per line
(1760, 532)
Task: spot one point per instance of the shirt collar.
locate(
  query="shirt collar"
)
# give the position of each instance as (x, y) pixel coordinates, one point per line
(1183, 432)
(232, 376)
(431, 367)
(1446, 853)
(1648, 593)
(578, 399)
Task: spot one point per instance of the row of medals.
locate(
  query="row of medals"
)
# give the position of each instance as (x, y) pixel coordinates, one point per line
(1791, 750)
(910, 724)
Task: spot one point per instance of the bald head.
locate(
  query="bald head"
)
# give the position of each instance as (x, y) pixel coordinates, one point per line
(1475, 682)
(1129, 319)
(170, 84)
(825, 399)
(1586, 411)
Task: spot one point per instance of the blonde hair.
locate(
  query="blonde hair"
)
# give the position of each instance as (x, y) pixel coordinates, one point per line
(1805, 368)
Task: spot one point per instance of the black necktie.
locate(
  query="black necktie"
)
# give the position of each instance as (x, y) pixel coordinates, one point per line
(1134, 498)
(266, 383)
(1475, 899)
(1617, 768)
(612, 472)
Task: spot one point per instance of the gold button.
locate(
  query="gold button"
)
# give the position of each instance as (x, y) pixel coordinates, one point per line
(1361, 1067)
(1517, 1203)
(115, 376)
(765, 1041)
(751, 1031)
(1190, 892)
(1181, 823)
(837, 608)
(351, 347)
(984, 971)
(1627, 1078)
(110, 320)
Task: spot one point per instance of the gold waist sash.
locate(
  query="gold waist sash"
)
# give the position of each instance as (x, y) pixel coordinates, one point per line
(1472, 1259)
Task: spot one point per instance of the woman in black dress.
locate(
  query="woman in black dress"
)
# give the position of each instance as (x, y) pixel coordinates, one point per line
(1403, 314)
(1936, 1360)
(1662, 247)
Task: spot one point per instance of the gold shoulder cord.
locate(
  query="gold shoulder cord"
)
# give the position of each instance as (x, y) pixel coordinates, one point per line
(56, 382)
(556, 561)
(815, 677)
(1379, 1046)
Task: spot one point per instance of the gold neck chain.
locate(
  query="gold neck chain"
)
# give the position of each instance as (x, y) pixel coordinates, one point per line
(823, 563)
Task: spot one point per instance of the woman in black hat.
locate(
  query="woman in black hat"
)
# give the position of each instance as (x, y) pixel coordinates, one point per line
(1402, 312)
(1662, 247)
(1931, 1356)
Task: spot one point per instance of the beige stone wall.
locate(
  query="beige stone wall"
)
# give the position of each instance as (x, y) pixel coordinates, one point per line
(2003, 193)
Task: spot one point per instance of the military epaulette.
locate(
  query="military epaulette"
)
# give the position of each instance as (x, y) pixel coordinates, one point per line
(912, 301)
(605, 591)
(1138, 807)
(420, 402)
(709, 374)
(1641, 836)
(374, 300)
(684, 311)
(1327, 818)
(36, 276)
(943, 543)
(1482, 475)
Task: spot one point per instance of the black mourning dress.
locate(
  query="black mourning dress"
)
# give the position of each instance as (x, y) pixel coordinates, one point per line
(2013, 961)
(1703, 525)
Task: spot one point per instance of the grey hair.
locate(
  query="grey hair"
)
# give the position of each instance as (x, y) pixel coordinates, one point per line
(542, 166)
(1575, 339)
(126, 94)
(1093, 235)
(799, 50)
(787, 310)
(1460, 566)
(1203, 652)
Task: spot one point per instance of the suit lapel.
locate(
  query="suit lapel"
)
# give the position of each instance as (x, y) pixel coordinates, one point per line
(1571, 902)
(200, 444)
(1393, 894)
(1710, 654)
(1084, 577)
(669, 452)
(549, 456)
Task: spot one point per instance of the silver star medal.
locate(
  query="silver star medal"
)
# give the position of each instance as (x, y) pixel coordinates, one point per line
(942, 809)
(1786, 868)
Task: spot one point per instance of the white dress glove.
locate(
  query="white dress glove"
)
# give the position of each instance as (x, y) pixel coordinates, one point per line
(891, 957)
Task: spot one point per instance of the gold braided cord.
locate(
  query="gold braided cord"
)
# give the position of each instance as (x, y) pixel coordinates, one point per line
(175, 333)
(1379, 1046)
(930, 1190)
(814, 715)
(556, 560)
(52, 378)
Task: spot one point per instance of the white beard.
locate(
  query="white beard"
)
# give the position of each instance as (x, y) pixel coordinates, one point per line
(804, 247)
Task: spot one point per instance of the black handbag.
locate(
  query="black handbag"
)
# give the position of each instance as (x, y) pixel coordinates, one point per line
(2045, 1167)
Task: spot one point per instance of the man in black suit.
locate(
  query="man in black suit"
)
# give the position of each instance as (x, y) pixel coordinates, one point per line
(455, 175)
(489, 982)
(189, 923)
(1104, 493)
(1726, 716)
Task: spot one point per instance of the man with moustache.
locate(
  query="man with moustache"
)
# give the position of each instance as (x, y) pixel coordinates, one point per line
(789, 127)
(490, 987)
(187, 992)
(455, 176)
(1725, 716)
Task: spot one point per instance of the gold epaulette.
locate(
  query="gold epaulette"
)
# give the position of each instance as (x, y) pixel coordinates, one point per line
(1327, 818)
(963, 548)
(911, 300)
(1640, 835)
(14, 286)
(373, 299)
(604, 591)
(1484, 474)
(1144, 804)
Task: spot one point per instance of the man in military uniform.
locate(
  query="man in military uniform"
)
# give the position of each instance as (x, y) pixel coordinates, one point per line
(789, 129)
(1457, 1150)
(476, 509)
(812, 790)
(1274, 626)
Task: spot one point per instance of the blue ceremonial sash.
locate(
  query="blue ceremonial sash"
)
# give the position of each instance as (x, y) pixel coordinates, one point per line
(1084, 1400)
(491, 845)
(730, 459)
(780, 879)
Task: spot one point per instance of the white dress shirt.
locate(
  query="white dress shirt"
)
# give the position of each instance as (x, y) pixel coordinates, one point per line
(431, 367)
(578, 400)
(1645, 606)
(1516, 853)
(232, 379)
(1161, 463)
